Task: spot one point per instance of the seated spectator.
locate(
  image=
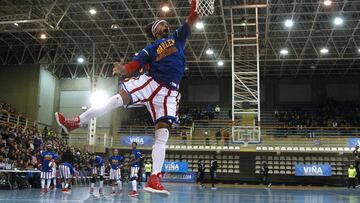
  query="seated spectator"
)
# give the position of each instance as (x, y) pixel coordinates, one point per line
(2, 163)
(226, 137)
(217, 109)
(183, 137)
(210, 112)
(218, 137)
(207, 139)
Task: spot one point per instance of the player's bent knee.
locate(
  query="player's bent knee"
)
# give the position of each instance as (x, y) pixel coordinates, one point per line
(124, 95)
(162, 124)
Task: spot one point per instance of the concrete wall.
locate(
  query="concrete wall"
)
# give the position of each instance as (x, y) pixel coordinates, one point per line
(47, 92)
(19, 86)
(309, 91)
(222, 91)
(279, 91)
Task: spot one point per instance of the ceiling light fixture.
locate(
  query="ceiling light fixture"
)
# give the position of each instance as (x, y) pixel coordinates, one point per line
(243, 21)
(289, 23)
(199, 25)
(92, 11)
(80, 60)
(338, 21)
(165, 8)
(284, 52)
(324, 50)
(209, 52)
(327, 2)
(43, 36)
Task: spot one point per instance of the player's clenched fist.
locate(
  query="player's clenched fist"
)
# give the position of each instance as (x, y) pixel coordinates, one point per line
(119, 68)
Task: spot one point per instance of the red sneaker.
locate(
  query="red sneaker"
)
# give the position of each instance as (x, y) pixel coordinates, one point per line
(133, 193)
(67, 124)
(65, 190)
(154, 185)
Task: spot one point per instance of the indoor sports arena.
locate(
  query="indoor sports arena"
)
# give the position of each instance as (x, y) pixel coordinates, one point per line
(249, 101)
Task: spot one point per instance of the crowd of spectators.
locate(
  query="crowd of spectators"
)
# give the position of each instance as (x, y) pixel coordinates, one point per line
(7, 108)
(21, 146)
(329, 114)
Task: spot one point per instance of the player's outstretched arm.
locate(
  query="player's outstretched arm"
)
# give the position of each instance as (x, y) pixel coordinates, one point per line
(127, 69)
(193, 16)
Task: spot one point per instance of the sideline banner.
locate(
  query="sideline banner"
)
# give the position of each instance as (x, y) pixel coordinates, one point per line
(352, 142)
(175, 167)
(144, 141)
(313, 170)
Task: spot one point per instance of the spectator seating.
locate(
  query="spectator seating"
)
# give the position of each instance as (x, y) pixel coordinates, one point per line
(286, 164)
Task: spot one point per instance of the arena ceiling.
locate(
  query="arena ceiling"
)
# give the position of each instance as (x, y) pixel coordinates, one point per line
(71, 31)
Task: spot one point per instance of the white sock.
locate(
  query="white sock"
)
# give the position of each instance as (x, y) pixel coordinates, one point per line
(159, 147)
(113, 188)
(63, 185)
(54, 182)
(112, 103)
(92, 185)
(119, 184)
(42, 183)
(66, 185)
(48, 182)
(134, 185)
(101, 184)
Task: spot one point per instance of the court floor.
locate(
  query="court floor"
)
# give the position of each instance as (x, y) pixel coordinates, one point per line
(187, 193)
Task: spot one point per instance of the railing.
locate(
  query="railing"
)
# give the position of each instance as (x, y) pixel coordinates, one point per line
(15, 119)
(80, 137)
(149, 130)
(310, 131)
(103, 139)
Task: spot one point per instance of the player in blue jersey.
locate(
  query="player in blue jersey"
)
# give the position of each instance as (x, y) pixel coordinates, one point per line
(97, 170)
(157, 89)
(47, 161)
(134, 168)
(66, 173)
(116, 163)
